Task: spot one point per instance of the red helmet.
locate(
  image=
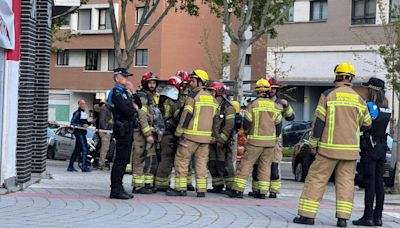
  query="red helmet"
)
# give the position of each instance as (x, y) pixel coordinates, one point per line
(219, 88)
(175, 81)
(274, 83)
(148, 77)
(184, 76)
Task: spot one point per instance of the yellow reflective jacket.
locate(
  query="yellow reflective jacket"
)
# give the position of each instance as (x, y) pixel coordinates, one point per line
(224, 122)
(196, 122)
(146, 114)
(340, 115)
(263, 122)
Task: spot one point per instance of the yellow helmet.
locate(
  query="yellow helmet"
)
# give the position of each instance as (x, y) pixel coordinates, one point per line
(263, 85)
(236, 106)
(345, 69)
(201, 74)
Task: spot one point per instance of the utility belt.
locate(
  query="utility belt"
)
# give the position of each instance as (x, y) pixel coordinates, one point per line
(123, 128)
(371, 140)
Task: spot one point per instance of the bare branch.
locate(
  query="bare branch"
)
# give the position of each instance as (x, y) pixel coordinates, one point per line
(242, 20)
(228, 25)
(171, 4)
(264, 12)
(135, 36)
(123, 22)
(116, 32)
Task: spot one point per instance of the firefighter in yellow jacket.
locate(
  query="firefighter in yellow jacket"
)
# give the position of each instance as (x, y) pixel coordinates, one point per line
(262, 123)
(339, 116)
(220, 156)
(288, 115)
(144, 159)
(195, 131)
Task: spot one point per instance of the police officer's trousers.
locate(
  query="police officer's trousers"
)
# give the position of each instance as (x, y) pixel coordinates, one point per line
(314, 187)
(144, 164)
(373, 172)
(264, 155)
(122, 156)
(186, 150)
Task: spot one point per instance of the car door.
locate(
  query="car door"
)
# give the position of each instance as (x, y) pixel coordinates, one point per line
(65, 143)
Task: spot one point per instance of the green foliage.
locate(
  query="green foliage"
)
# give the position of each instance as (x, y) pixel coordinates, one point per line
(60, 36)
(287, 151)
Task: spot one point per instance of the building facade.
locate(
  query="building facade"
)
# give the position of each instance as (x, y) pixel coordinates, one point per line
(320, 34)
(83, 68)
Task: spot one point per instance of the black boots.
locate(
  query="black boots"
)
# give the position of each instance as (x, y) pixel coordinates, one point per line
(173, 192)
(142, 190)
(378, 222)
(120, 193)
(364, 222)
(341, 222)
(235, 194)
(216, 189)
(304, 220)
(272, 195)
(201, 194)
(258, 195)
(190, 187)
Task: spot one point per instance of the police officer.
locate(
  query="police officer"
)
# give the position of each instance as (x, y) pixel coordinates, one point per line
(373, 154)
(124, 104)
(339, 116)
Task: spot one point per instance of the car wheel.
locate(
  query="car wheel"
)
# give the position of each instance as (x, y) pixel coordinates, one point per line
(50, 153)
(299, 174)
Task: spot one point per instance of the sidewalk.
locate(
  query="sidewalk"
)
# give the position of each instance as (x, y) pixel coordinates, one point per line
(81, 199)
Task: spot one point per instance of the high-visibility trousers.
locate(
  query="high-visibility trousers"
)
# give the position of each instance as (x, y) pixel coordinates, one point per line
(186, 150)
(143, 165)
(317, 178)
(264, 155)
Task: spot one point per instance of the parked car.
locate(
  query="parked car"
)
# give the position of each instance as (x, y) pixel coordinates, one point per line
(62, 143)
(293, 132)
(303, 157)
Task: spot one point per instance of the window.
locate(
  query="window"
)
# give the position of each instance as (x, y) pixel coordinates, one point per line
(104, 19)
(66, 21)
(363, 12)
(92, 60)
(63, 58)
(394, 9)
(84, 19)
(139, 13)
(247, 60)
(318, 10)
(112, 61)
(141, 57)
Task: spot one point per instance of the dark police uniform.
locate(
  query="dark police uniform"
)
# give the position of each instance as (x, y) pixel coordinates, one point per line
(120, 101)
(373, 145)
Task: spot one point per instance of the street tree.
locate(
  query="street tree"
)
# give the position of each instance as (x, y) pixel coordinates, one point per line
(258, 16)
(132, 41)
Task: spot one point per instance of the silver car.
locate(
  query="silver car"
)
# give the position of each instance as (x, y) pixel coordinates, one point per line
(61, 143)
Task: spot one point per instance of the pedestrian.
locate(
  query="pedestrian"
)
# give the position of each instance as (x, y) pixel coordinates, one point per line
(288, 113)
(373, 154)
(262, 123)
(220, 156)
(338, 118)
(144, 159)
(80, 120)
(124, 104)
(105, 120)
(195, 132)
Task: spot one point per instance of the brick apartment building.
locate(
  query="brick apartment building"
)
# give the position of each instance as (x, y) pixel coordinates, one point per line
(321, 34)
(82, 70)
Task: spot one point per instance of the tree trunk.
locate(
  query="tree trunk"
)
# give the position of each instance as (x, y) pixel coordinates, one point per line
(240, 72)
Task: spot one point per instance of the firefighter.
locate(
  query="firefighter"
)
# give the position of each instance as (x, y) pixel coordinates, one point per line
(170, 105)
(262, 123)
(373, 154)
(144, 160)
(221, 151)
(339, 116)
(195, 132)
(288, 114)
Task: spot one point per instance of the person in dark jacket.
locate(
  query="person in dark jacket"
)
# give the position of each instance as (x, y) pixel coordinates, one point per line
(373, 154)
(80, 119)
(124, 104)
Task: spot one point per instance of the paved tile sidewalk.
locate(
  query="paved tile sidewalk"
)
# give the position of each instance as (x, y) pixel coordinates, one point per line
(80, 199)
